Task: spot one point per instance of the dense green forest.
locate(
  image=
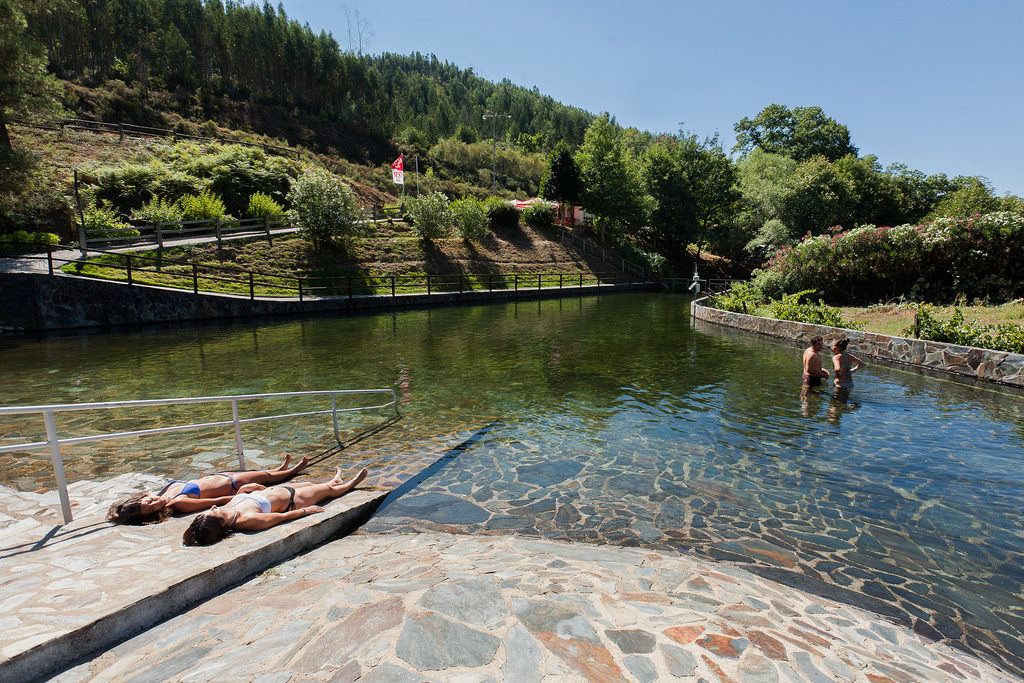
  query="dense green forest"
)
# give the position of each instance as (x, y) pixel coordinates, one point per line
(212, 65)
(203, 51)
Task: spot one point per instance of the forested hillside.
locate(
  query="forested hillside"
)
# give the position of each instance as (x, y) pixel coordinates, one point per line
(208, 53)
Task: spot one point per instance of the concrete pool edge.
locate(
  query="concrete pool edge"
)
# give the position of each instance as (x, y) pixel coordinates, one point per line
(1000, 367)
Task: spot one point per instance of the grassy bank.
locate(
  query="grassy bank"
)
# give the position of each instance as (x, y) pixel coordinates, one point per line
(895, 319)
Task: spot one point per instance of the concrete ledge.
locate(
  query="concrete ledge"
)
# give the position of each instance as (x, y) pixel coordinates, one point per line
(38, 302)
(125, 570)
(984, 364)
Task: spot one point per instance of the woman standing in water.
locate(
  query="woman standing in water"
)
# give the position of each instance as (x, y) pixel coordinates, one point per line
(845, 364)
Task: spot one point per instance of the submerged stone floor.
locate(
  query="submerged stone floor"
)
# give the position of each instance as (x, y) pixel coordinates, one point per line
(443, 607)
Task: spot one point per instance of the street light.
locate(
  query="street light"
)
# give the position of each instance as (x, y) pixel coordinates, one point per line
(494, 147)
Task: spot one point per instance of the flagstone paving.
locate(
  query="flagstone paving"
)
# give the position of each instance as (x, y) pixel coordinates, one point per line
(446, 607)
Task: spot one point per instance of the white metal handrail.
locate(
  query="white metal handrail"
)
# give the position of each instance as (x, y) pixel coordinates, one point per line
(54, 442)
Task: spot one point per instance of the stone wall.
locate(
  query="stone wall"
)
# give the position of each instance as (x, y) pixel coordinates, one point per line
(34, 302)
(995, 366)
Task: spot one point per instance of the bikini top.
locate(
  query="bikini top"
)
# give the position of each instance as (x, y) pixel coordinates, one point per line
(261, 501)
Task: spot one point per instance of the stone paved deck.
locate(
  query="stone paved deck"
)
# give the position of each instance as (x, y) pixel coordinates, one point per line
(65, 590)
(444, 607)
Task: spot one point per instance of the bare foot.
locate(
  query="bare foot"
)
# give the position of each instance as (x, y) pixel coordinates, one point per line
(303, 462)
(287, 461)
(351, 484)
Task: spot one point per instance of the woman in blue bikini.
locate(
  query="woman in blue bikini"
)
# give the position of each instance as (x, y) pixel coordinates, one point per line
(273, 505)
(199, 494)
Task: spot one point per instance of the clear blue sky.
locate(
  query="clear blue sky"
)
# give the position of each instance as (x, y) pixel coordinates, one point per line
(937, 85)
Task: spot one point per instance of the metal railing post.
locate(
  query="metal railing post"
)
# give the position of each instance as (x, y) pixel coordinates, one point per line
(58, 465)
(238, 433)
(334, 416)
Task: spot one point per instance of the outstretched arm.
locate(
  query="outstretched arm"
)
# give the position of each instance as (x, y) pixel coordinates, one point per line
(264, 520)
(197, 504)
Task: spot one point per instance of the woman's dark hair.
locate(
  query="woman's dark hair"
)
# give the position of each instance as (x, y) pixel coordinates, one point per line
(842, 343)
(130, 512)
(206, 530)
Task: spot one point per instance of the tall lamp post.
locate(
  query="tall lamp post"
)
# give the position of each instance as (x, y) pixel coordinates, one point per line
(494, 147)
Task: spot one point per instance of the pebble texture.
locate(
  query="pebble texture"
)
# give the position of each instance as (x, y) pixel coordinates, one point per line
(995, 366)
(444, 607)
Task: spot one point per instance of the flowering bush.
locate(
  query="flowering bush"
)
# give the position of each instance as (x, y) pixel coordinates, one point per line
(974, 257)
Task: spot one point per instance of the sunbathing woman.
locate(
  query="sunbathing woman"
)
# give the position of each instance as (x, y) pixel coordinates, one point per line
(199, 494)
(269, 507)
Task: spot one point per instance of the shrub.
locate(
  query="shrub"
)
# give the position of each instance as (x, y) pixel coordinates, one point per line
(431, 215)
(500, 212)
(263, 206)
(102, 220)
(956, 330)
(27, 237)
(323, 207)
(748, 297)
(202, 206)
(158, 211)
(470, 216)
(126, 187)
(539, 214)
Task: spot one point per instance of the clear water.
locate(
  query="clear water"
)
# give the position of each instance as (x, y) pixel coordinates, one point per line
(607, 419)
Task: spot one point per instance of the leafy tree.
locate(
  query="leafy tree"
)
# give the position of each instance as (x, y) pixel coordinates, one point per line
(799, 133)
(561, 181)
(763, 184)
(818, 197)
(323, 207)
(613, 187)
(693, 183)
(26, 89)
(973, 196)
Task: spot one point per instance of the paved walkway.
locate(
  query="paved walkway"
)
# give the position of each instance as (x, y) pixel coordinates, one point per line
(444, 607)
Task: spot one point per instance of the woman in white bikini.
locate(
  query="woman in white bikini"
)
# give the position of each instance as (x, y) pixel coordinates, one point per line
(199, 494)
(258, 510)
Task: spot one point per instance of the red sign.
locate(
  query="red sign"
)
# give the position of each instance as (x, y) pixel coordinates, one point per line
(397, 175)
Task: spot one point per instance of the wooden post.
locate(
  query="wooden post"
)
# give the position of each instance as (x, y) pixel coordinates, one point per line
(159, 235)
(128, 268)
(428, 283)
(82, 240)
(195, 278)
(392, 286)
(538, 281)
(266, 226)
(49, 257)
(581, 278)
(515, 280)
(300, 288)
(252, 287)
(460, 283)
(216, 228)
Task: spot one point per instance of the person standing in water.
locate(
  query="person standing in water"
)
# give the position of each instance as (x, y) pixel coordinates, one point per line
(813, 372)
(845, 364)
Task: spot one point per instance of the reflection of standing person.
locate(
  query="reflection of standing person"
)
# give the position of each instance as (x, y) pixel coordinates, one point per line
(845, 363)
(813, 372)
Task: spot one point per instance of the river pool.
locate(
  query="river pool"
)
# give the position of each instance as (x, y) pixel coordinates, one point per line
(600, 419)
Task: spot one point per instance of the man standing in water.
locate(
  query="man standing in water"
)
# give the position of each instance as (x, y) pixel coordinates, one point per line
(813, 372)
